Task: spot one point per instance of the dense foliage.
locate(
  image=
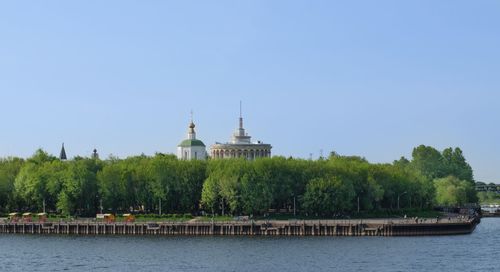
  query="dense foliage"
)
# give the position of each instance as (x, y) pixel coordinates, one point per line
(452, 191)
(489, 197)
(324, 187)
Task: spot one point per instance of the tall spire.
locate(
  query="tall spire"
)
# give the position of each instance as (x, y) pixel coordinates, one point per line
(240, 136)
(241, 117)
(62, 155)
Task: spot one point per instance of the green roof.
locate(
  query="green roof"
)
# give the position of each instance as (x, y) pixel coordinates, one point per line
(188, 143)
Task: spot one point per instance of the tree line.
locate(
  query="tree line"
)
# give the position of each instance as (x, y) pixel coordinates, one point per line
(150, 184)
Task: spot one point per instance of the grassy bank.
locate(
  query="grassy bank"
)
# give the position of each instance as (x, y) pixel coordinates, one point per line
(208, 218)
(362, 215)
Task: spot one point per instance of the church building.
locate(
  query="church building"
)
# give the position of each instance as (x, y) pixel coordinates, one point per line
(191, 148)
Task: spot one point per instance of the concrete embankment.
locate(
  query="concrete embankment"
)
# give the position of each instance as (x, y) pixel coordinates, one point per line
(365, 227)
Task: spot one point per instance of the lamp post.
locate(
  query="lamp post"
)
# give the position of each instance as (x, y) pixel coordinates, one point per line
(358, 203)
(294, 211)
(159, 206)
(221, 205)
(400, 196)
(359, 206)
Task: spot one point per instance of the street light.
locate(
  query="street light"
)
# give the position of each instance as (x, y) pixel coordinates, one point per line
(358, 200)
(358, 203)
(294, 211)
(294, 207)
(159, 206)
(400, 196)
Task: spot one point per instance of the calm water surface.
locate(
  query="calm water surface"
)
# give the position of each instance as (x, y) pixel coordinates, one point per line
(477, 252)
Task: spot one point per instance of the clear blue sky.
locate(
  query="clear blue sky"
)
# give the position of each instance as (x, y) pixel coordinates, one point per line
(368, 78)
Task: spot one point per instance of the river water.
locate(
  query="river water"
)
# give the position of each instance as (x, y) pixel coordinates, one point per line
(479, 251)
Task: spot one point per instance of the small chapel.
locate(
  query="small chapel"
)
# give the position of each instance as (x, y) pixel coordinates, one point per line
(191, 148)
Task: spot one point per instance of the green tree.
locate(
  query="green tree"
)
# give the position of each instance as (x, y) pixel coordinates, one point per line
(327, 196)
(451, 191)
(78, 188)
(456, 164)
(234, 186)
(489, 197)
(256, 192)
(9, 169)
(112, 191)
(210, 196)
(428, 161)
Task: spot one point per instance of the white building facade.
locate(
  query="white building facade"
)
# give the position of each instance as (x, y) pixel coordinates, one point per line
(240, 146)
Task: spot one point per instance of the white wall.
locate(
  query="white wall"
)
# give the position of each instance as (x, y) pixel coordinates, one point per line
(191, 153)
